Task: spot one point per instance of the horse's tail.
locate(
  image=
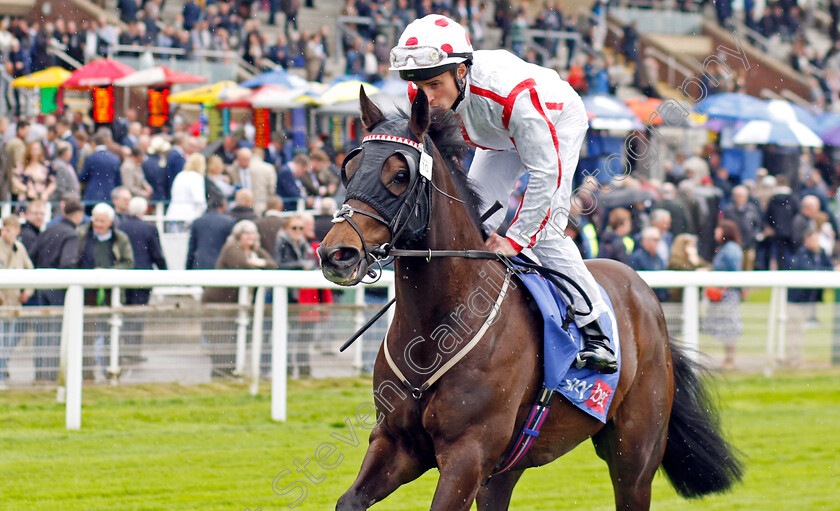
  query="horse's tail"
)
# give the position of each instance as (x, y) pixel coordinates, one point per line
(698, 460)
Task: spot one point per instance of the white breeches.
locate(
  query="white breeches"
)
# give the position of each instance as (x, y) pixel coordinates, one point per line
(496, 173)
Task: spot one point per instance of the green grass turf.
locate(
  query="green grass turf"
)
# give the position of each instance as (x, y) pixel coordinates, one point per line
(214, 447)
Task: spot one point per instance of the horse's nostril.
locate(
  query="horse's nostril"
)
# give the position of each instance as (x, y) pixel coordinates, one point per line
(343, 256)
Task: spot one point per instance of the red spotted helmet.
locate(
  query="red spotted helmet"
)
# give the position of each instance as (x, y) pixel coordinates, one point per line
(429, 47)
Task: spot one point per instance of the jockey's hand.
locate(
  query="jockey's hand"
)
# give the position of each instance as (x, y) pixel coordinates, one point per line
(496, 244)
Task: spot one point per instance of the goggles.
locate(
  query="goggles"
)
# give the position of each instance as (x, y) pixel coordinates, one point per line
(422, 56)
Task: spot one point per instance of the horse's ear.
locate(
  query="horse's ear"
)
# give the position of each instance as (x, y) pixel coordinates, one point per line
(420, 118)
(371, 115)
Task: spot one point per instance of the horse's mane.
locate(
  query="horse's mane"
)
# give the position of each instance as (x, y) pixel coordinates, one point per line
(445, 133)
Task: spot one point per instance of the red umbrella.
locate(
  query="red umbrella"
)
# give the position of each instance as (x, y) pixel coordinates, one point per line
(158, 76)
(97, 74)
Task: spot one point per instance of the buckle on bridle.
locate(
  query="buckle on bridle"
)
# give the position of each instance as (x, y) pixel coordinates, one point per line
(343, 213)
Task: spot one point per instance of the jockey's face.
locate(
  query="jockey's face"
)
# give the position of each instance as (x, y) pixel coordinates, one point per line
(442, 90)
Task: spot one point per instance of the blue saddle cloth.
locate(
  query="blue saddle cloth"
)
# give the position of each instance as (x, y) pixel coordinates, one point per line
(586, 388)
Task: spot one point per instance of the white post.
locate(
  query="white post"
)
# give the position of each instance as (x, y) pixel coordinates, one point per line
(241, 331)
(74, 301)
(782, 334)
(257, 340)
(769, 364)
(116, 323)
(359, 321)
(691, 320)
(61, 393)
(159, 213)
(279, 339)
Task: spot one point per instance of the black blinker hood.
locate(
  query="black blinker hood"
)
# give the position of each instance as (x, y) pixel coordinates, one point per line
(407, 214)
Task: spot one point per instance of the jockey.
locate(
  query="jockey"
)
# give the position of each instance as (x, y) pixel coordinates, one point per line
(521, 118)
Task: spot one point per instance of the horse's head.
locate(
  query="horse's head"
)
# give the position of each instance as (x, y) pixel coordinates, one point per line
(389, 196)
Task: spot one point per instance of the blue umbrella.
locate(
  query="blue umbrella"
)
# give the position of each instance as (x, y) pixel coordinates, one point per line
(734, 106)
(610, 113)
(275, 77)
(826, 122)
(793, 134)
(785, 111)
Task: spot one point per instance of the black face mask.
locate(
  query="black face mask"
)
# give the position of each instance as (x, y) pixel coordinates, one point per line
(407, 215)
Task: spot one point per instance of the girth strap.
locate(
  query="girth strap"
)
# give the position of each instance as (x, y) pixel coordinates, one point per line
(417, 392)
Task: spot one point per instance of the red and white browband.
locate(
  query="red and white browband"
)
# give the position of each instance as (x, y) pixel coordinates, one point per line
(392, 138)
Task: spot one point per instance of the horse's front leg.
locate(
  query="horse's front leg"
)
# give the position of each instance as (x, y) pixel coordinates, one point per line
(463, 467)
(388, 464)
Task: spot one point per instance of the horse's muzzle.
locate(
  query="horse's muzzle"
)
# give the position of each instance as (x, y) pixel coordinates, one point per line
(342, 264)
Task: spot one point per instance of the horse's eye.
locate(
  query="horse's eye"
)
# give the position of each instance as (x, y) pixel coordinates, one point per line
(400, 178)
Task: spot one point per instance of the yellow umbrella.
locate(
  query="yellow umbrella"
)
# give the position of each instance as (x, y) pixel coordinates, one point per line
(208, 95)
(50, 77)
(344, 91)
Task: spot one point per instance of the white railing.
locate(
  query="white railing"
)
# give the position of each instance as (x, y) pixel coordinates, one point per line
(75, 281)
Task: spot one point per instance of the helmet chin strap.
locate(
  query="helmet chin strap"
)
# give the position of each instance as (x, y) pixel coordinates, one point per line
(462, 86)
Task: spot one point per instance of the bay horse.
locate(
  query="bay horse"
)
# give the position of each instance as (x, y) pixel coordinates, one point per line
(465, 423)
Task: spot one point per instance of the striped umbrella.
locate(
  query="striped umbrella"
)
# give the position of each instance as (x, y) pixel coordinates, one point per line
(794, 134)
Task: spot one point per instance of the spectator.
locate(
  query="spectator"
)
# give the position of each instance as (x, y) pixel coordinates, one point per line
(131, 174)
(191, 13)
(189, 200)
(36, 179)
(227, 150)
(101, 171)
(243, 208)
(325, 172)
(616, 242)
(218, 181)
(315, 59)
(31, 229)
(684, 257)
(240, 170)
(748, 218)
(804, 221)
(241, 251)
(724, 317)
(145, 245)
(128, 10)
(661, 219)
(263, 180)
(101, 246)
(120, 197)
(66, 134)
(646, 258)
(290, 10)
(154, 169)
(176, 159)
(271, 222)
(207, 235)
(292, 251)
(778, 226)
(802, 306)
(57, 247)
(289, 185)
(15, 150)
(13, 256)
(66, 179)
(4, 168)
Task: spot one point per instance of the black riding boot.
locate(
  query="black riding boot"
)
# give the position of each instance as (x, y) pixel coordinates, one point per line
(596, 353)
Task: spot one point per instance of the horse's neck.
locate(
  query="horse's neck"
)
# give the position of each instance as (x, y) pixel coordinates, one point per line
(438, 284)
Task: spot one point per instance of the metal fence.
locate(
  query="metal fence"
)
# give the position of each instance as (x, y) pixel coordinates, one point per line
(185, 342)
